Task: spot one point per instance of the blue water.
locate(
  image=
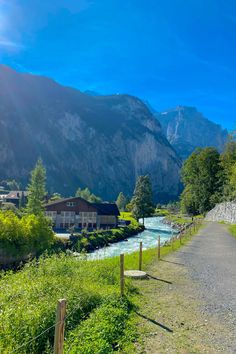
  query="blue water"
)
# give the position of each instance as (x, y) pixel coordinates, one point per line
(154, 228)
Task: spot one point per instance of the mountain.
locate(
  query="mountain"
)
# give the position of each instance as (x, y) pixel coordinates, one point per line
(103, 142)
(186, 129)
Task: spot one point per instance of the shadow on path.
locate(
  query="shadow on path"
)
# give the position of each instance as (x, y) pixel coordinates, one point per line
(159, 279)
(155, 322)
(164, 260)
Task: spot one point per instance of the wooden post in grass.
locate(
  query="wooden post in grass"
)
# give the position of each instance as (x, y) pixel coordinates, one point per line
(180, 237)
(122, 276)
(159, 247)
(60, 327)
(140, 255)
(172, 241)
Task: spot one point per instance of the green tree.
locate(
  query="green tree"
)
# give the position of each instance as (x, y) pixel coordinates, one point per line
(54, 197)
(10, 185)
(121, 201)
(87, 195)
(141, 202)
(202, 177)
(230, 187)
(228, 161)
(37, 189)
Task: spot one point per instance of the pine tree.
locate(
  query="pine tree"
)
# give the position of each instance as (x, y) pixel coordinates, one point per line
(121, 201)
(142, 205)
(37, 189)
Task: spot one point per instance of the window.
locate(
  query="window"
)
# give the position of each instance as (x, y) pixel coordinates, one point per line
(51, 214)
(71, 204)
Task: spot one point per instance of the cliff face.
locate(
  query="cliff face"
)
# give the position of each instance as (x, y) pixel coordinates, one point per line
(186, 129)
(103, 142)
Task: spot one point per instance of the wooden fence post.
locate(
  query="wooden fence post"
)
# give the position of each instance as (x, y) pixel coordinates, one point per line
(159, 247)
(140, 255)
(122, 277)
(60, 327)
(180, 237)
(172, 241)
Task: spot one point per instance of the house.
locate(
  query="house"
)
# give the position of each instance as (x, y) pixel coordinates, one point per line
(18, 198)
(80, 214)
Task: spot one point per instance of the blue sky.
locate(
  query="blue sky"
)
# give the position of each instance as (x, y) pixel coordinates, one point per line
(169, 52)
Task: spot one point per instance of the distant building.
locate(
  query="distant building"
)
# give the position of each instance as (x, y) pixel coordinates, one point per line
(18, 198)
(3, 197)
(80, 214)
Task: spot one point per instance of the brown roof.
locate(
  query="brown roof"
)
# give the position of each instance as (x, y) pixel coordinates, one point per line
(106, 208)
(65, 200)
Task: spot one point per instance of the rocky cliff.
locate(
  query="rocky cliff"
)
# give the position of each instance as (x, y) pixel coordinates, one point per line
(103, 142)
(186, 129)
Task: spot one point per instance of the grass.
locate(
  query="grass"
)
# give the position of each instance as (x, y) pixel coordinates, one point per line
(98, 320)
(232, 230)
(125, 215)
(162, 212)
(178, 219)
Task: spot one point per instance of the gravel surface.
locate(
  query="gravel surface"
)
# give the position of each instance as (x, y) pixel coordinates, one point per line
(211, 262)
(193, 293)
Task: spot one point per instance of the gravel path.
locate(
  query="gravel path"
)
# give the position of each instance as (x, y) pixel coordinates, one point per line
(211, 260)
(199, 303)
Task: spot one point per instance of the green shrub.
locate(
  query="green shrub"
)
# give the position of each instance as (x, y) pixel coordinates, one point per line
(97, 239)
(22, 236)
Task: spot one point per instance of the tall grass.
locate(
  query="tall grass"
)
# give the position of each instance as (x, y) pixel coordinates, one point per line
(28, 301)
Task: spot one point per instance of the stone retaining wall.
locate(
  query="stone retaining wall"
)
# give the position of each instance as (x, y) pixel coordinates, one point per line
(223, 212)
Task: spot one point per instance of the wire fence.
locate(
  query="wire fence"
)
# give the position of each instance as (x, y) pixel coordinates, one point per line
(58, 347)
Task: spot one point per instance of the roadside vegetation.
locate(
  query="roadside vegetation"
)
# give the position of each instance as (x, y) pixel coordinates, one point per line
(98, 319)
(232, 229)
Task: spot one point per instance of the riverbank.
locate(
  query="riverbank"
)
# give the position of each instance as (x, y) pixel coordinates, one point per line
(90, 241)
(154, 228)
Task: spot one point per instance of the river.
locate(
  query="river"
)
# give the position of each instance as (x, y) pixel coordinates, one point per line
(154, 227)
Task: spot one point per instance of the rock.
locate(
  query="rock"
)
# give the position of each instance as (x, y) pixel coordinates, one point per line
(135, 274)
(223, 212)
(186, 129)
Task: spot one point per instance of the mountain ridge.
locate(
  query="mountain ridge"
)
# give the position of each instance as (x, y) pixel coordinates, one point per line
(186, 129)
(103, 142)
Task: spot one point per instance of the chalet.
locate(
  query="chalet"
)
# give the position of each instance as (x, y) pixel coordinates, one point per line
(17, 198)
(80, 214)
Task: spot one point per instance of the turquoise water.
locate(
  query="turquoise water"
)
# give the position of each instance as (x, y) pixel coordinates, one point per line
(154, 228)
